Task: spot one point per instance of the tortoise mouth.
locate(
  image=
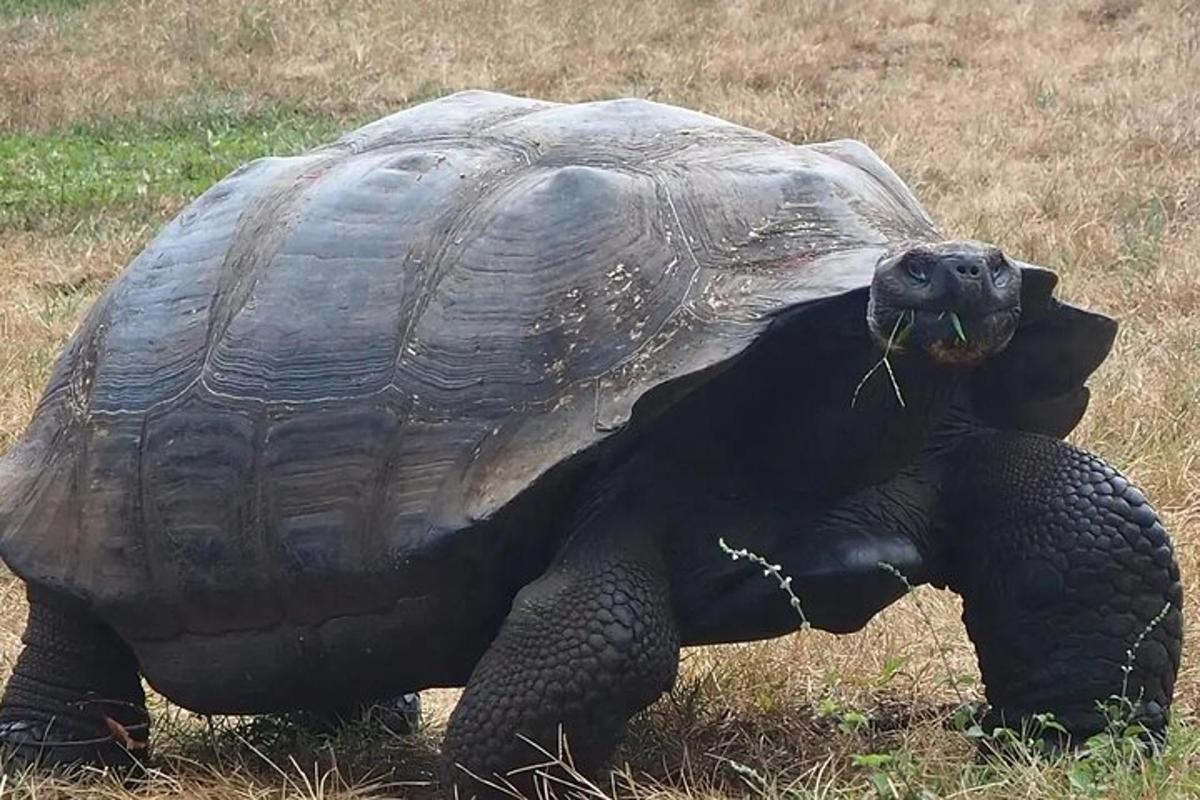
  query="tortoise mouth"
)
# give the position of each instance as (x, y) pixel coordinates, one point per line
(949, 337)
(957, 301)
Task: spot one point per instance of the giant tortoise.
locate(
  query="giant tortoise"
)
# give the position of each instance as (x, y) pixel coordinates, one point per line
(469, 396)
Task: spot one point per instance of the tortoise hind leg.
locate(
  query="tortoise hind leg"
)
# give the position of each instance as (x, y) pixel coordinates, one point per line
(75, 696)
(399, 715)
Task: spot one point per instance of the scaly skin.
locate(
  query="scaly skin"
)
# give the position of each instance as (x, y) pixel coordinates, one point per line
(1062, 566)
(74, 695)
(584, 648)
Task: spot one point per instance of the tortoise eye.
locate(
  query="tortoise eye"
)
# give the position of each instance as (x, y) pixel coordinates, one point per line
(917, 270)
(1002, 271)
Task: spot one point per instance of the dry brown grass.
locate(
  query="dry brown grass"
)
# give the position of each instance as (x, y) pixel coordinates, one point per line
(1068, 132)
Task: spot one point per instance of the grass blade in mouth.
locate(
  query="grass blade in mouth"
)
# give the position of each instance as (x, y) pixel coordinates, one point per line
(958, 326)
(907, 330)
(892, 342)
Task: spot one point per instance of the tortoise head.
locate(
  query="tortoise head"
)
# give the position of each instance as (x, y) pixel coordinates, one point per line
(958, 301)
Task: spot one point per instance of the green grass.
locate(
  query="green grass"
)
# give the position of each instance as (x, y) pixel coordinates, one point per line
(142, 169)
(20, 8)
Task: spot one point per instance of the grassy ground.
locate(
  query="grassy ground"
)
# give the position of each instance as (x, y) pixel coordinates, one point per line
(1067, 132)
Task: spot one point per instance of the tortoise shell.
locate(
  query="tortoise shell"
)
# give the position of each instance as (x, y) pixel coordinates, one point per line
(307, 397)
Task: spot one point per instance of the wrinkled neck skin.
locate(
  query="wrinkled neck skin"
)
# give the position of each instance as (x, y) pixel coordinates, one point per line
(757, 457)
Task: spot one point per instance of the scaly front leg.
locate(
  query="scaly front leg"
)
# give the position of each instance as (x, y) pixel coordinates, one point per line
(584, 648)
(1070, 588)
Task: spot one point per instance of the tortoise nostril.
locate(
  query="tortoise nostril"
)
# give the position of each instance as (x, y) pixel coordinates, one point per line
(965, 269)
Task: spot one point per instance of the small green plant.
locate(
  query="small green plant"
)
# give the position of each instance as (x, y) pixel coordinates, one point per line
(910, 591)
(1131, 653)
(850, 720)
(753, 779)
(769, 571)
(891, 668)
(894, 776)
